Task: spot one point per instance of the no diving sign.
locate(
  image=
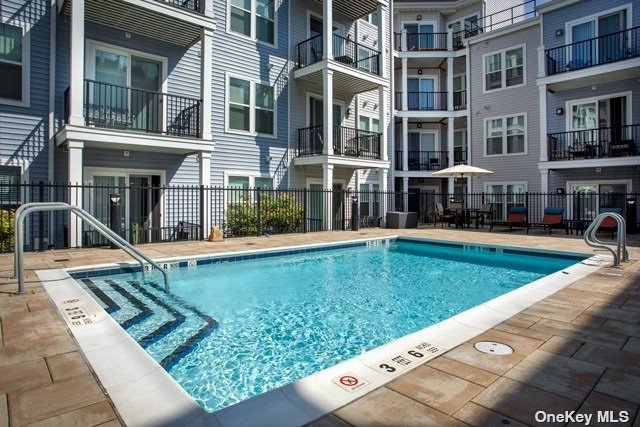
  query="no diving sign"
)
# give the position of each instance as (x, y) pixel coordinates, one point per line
(350, 382)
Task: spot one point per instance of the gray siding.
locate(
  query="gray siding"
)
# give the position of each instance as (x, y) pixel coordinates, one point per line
(522, 99)
(24, 130)
(556, 19)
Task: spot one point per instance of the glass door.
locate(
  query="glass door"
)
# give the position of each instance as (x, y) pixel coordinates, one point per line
(583, 50)
(316, 118)
(427, 95)
(100, 204)
(316, 197)
(108, 106)
(612, 44)
(145, 94)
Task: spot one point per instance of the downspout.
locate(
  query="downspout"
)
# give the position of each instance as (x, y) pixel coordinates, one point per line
(52, 108)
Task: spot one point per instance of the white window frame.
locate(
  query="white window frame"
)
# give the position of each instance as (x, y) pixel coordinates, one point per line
(462, 20)
(370, 118)
(568, 184)
(253, 27)
(503, 69)
(504, 135)
(504, 185)
(26, 67)
(252, 107)
(24, 175)
(338, 102)
(569, 24)
(571, 103)
(251, 175)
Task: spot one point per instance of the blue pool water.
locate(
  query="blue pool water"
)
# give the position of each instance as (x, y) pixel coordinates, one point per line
(232, 330)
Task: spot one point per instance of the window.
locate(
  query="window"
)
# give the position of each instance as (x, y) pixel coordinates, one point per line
(612, 43)
(504, 69)
(369, 200)
(261, 12)
(249, 181)
(586, 199)
(14, 84)
(373, 18)
(505, 135)
(505, 196)
(245, 97)
(369, 124)
(9, 180)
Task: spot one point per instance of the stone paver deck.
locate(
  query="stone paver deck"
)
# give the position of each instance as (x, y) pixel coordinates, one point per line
(578, 349)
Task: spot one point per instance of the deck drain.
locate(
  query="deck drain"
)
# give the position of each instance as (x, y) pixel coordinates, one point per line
(490, 347)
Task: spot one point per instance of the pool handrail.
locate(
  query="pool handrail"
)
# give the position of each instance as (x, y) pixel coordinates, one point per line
(621, 253)
(27, 208)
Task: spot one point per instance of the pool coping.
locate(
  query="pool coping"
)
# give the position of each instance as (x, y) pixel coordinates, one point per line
(144, 393)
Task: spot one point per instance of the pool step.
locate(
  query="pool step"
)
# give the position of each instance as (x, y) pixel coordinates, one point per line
(157, 317)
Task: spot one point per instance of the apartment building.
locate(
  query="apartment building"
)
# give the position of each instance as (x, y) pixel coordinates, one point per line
(589, 88)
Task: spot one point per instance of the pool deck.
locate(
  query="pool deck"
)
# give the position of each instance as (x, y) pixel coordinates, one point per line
(578, 349)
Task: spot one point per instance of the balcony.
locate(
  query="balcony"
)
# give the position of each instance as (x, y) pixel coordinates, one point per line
(122, 108)
(600, 50)
(460, 100)
(425, 42)
(423, 101)
(600, 143)
(430, 161)
(347, 142)
(345, 51)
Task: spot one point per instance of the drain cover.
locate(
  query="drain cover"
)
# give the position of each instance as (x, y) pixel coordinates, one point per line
(490, 347)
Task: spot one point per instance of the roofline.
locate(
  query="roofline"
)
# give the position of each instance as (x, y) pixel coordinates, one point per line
(506, 30)
(555, 4)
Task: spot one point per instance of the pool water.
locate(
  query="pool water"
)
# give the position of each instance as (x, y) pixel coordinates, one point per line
(230, 331)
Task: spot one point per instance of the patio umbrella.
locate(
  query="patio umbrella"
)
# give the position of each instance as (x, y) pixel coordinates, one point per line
(460, 171)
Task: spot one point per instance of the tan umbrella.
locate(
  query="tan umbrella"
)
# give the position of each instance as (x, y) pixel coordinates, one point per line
(460, 171)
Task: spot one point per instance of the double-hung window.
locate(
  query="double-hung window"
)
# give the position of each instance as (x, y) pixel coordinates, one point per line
(251, 107)
(504, 69)
(253, 18)
(14, 65)
(505, 135)
(9, 185)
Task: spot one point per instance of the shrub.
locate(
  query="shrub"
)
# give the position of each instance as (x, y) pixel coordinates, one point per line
(7, 221)
(279, 213)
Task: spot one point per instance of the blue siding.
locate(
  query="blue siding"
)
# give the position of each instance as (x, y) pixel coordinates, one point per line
(559, 178)
(24, 130)
(556, 19)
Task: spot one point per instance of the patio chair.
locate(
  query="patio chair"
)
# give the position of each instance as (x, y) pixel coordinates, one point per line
(609, 224)
(485, 213)
(443, 215)
(552, 219)
(516, 217)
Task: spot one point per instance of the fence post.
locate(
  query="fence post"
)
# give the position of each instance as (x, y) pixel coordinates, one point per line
(304, 216)
(202, 208)
(258, 219)
(41, 218)
(526, 199)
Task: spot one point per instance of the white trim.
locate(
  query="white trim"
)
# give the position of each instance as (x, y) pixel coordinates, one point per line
(569, 24)
(434, 77)
(25, 66)
(244, 174)
(252, 25)
(503, 68)
(594, 99)
(252, 105)
(436, 138)
(504, 135)
(627, 182)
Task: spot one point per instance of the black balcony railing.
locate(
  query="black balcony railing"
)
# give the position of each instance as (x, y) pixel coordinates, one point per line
(347, 142)
(460, 100)
(426, 41)
(345, 51)
(622, 141)
(423, 101)
(502, 18)
(425, 161)
(123, 108)
(193, 5)
(600, 50)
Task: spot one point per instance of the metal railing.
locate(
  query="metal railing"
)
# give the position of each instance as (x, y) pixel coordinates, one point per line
(429, 160)
(605, 142)
(345, 51)
(600, 50)
(26, 209)
(423, 101)
(193, 5)
(459, 100)
(124, 108)
(426, 42)
(502, 18)
(349, 142)
(621, 253)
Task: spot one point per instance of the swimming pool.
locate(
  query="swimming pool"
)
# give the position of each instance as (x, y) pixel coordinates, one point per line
(235, 327)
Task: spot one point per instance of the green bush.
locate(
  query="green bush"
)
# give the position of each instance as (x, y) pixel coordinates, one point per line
(278, 214)
(7, 221)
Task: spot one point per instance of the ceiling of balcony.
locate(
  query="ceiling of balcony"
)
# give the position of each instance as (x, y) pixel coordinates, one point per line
(139, 20)
(355, 9)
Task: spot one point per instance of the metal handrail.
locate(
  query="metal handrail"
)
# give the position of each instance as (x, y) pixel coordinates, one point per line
(27, 208)
(621, 253)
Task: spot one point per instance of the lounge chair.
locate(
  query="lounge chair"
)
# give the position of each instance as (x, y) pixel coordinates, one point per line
(552, 219)
(609, 224)
(485, 213)
(516, 217)
(443, 215)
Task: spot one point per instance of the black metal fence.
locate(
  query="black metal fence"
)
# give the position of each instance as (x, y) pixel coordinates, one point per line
(347, 141)
(604, 49)
(193, 5)
(345, 50)
(150, 214)
(620, 141)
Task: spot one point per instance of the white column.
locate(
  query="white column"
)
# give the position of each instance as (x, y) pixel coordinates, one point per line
(205, 83)
(403, 40)
(205, 179)
(327, 185)
(450, 129)
(544, 149)
(76, 65)
(404, 84)
(75, 193)
(449, 39)
(542, 71)
(382, 183)
(382, 41)
(327, 106)
(544, 180)
(382, 117)
(208, 8)
(327, 31)
(405, 193)
(405, 144)
(450, 84)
